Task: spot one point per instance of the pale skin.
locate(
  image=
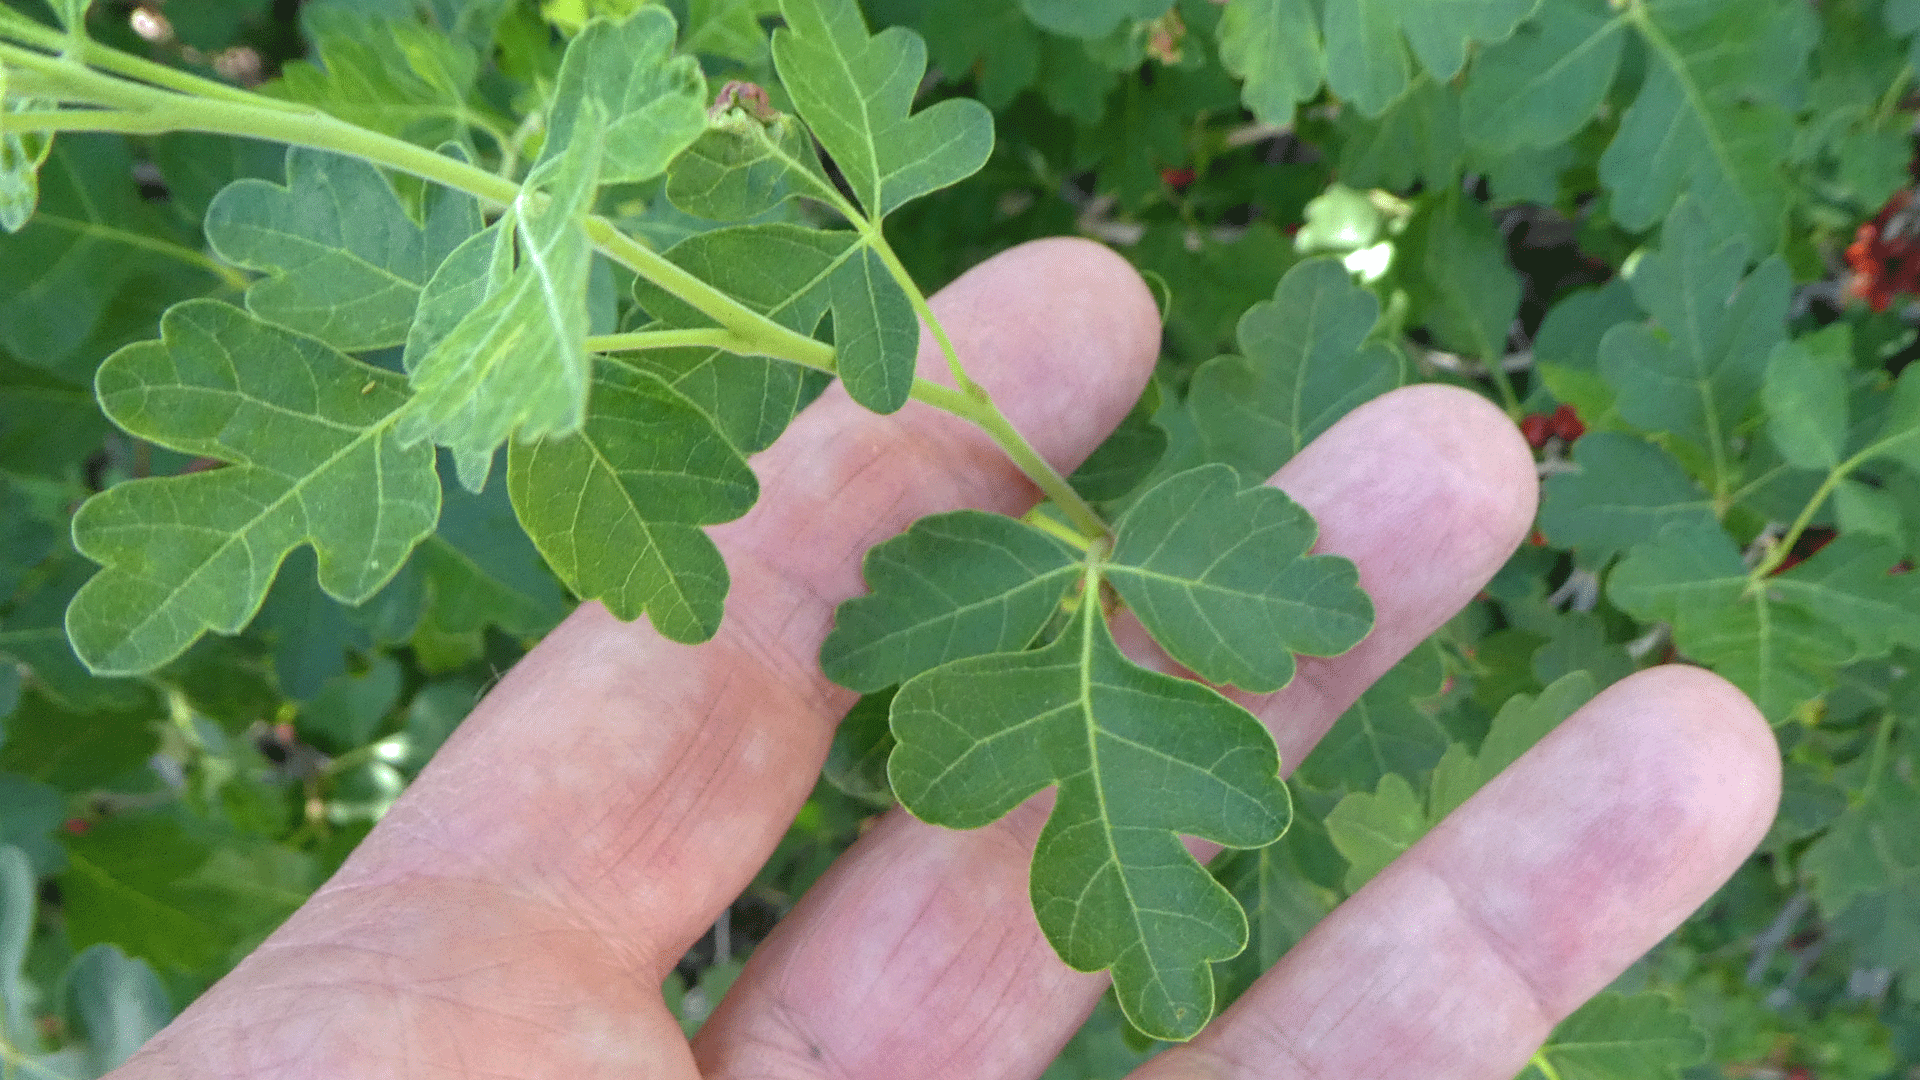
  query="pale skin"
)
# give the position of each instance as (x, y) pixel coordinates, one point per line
(516, 913)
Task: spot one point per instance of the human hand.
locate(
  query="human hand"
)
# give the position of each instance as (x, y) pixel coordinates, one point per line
(517, 911)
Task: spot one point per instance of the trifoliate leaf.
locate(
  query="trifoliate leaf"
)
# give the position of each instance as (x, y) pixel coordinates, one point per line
(1221, 578)
(1274, 45)
(314, 460)
(1711, 118)
(1385, 731)
(345, 262)
(498, 348)
(1697, 374)
(953, 586)
(1806, 397)
(652, 104)
(1367, 58)
(1462, 287)
(1624, 490)
(1091, 18)
(855, 92)
(1306, 362)
(1540, 86)
(616, 508)
(1616, 1037)
(1140, 759)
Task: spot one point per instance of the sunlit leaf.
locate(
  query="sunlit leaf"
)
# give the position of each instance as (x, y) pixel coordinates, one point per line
(1367, 42)
(1274, 46)
(651, 103)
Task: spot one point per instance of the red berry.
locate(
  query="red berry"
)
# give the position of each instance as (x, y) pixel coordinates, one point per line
(1566, 423)
(1177, 179)
(77, 826)
(1537, 429)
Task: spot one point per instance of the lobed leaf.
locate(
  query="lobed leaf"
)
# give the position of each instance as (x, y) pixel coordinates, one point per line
(739, 168)
(855, 92)
(651, 103)
(616, 508)
(1091, 18)
(397, 76)
(344, 262)
(1541, 86)
(1220, 576)
(1274, 47)
(1385, 731)
(1461, 285)
(1806, 398)
(1624, 490)
(1621, 1037)
(1112, 884)
(953, 586)
(1306, 361)
(1367, 41)
(314, 460)
(1698, 373)
(498, 348)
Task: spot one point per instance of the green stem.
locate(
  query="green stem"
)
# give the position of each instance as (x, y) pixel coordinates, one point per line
(918, 299)
(1504, 383)
(980, 412)
(1046, 523)
(673, 339)
(1785, 546)
(93, 54)
(1539, 1061)
(1891, 99)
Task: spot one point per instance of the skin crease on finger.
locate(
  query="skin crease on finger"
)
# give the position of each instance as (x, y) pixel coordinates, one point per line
(1428, 489)
(515, 913)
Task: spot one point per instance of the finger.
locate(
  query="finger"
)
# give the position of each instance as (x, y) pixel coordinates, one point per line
(616, 790)
(1428, 489)
(1458, 959)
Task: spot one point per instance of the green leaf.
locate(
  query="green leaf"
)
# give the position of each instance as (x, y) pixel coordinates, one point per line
(1903, 18)
(1371, 828)
(1541, 86)
(1692, 576)
(1698, 373)
(855, 92)
(125, 884)
(1806, 397)
(345, 263)
(1282, 902)
(652, 104)
(1523, 721)
(1220, 576)
(1274, 45)
(1461, 285)
(1306, 362)
(396, 76)
(1367, 59)
(21, 155)
(1416, 138)
(739, 168)
(1852, 584)
(73, 750)
(876, 337)
(1899, 437)
(61, 275)
(952, 586)
(857, 760)
(19, 896)
(1617, 1037)
(1386, 731)
(616, 508)
(348, 711)
(1128, 455)
(314, 460)
(1624, 490)
(1712, 117)
(498, 349)
(1091, 18)
(117, 1003)
(992, 40)
(1140, 758)
(729, 28)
